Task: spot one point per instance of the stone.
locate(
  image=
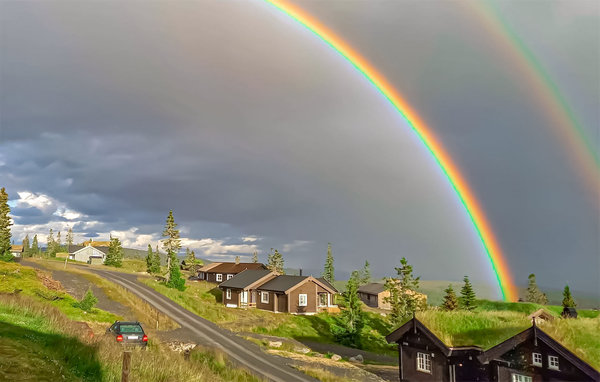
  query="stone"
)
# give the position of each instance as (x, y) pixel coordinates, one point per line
(359, 358)
(352, 359)
(336, 357)
(302, 350)
(275, 344)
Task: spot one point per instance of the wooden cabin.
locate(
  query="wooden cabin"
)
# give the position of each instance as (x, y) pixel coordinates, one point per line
(373, 295)
(266, 290)
(219, 272)
(530, 356)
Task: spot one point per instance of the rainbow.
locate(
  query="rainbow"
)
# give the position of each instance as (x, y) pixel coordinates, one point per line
(560, 117)
(466, 197)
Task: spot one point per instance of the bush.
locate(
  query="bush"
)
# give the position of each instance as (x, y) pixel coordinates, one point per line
(88, 301)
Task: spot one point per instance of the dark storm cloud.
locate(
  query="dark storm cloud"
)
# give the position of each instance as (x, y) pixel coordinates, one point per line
(245, 124)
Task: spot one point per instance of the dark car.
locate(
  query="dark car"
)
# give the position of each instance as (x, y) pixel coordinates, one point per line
(194, 278)
(129, 333)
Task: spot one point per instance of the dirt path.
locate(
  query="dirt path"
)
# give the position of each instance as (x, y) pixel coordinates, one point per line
(76, 285)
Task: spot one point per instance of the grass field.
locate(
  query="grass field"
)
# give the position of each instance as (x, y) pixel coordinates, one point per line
(39, 343)
(15, 278)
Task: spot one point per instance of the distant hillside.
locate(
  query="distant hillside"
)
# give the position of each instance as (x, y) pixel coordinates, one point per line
(434, 289)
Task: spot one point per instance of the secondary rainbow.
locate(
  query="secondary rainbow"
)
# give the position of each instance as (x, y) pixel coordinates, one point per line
(465, 196)
(544, 91)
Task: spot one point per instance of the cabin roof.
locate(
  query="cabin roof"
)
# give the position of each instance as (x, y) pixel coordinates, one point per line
(231, 267)
(372, 288)
(245, 279)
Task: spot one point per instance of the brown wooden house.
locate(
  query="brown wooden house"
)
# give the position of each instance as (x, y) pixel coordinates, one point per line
(373, 295)
(219, 272)
(530, 356)
(266, 290)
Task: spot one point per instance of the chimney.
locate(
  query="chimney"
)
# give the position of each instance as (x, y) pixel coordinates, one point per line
(300, 271)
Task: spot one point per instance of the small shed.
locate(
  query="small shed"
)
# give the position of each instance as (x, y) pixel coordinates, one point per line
(16, 250)
(569, 313)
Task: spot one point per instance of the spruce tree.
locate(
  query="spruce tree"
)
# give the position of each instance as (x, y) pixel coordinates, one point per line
(50, 244)
(275, 262)
(403, 298)
(149, 259)
(58, 242)
(534, 294)
(155, 269)
(568, 301)
(450, 300)
(328, 270)
(366, 274)
(351, 319)
(114, 258)
(255, 257)
(26, 248)
(467, 295)
(69, 238)
(35, 248)
(172, 244)
(5, 223)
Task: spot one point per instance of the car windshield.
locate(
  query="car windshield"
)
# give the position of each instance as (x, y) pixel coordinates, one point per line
(132, 328)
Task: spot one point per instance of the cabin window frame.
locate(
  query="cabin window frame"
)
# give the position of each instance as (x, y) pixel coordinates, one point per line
(553, 363)
(228, 294)
(219, 277)
(321, 303)
(536, 359)
(229, 276)
(521, 378)
(424, 362)
(303, 296)
(264, 300)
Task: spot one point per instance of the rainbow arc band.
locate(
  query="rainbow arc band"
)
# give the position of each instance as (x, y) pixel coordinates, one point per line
(466, 197)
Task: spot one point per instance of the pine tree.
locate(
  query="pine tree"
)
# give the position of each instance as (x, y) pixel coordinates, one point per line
(172, 244)
(58, 242)
(403, 298)
(366, 274)
(69, 238)
(351, 321)
(467, 295)
(5, 223)
(534, 294)
(328, 270)
(568, 301)
(149, 259)
(450, 300)
(114, 257)
(35, 248)
(155, 269)
(275, 262)
(190, 257)
(26, 249)
(50, 244)
(255, 257)
(88, 301)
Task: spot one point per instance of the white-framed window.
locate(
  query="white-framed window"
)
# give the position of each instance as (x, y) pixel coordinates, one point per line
(521, 378)
(229, 277)
(424, 362)
(536, 359)
(323, 299)
(264, 297)
(552, 362)
(219, 277)
(302, 300)
(228, 294)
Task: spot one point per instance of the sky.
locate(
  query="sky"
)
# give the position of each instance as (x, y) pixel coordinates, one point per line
(258, 135)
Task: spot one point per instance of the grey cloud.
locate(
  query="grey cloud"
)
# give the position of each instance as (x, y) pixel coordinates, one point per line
(244, 124)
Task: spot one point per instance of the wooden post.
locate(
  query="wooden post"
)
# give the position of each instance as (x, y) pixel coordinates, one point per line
(126, 366)
(186, 354)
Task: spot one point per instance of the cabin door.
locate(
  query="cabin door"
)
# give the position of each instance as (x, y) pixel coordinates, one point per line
(244, 297)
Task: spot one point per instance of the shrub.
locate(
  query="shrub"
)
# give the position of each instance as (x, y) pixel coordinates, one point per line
(88, 301)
